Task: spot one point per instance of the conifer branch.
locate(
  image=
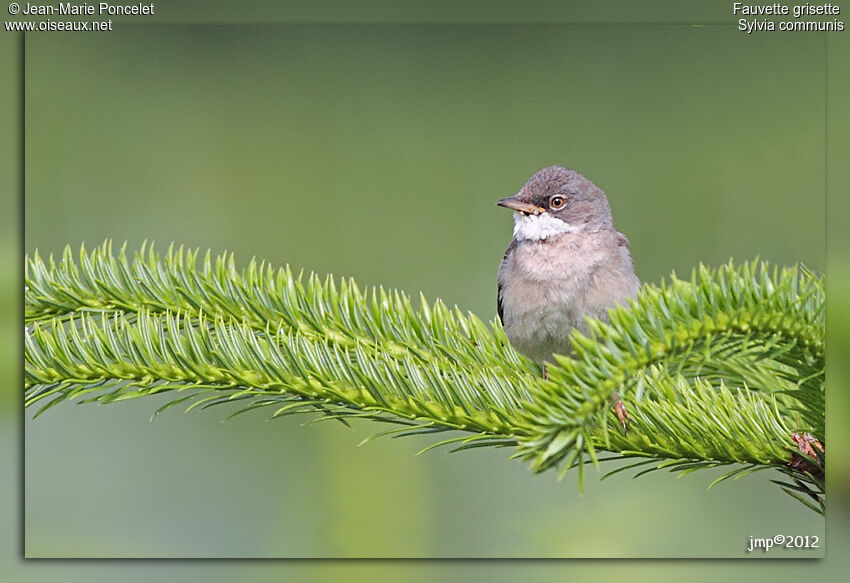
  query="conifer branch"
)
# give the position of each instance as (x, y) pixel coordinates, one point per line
(725, 368)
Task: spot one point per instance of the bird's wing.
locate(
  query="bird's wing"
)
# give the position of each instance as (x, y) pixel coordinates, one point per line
(499, 303)
(499, 308)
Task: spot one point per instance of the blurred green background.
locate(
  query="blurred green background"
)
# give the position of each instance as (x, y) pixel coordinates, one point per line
(378, 151)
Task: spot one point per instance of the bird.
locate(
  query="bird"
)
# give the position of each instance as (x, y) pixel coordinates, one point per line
(566, 262)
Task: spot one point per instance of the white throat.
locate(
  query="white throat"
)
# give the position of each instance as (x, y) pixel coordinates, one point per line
(542, 226)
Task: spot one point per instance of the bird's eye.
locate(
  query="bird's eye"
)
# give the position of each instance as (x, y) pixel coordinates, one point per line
(556, 202)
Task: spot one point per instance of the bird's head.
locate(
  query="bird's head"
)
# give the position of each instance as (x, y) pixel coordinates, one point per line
(557, 200)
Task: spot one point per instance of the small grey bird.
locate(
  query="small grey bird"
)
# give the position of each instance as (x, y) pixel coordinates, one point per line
(565, 262)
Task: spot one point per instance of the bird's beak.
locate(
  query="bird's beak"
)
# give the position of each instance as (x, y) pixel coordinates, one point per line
(515, 204)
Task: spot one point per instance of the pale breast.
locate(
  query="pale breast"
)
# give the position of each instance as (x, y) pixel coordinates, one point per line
(547, 287)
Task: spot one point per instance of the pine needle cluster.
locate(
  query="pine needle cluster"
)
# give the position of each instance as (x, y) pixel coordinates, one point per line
(724, 368)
